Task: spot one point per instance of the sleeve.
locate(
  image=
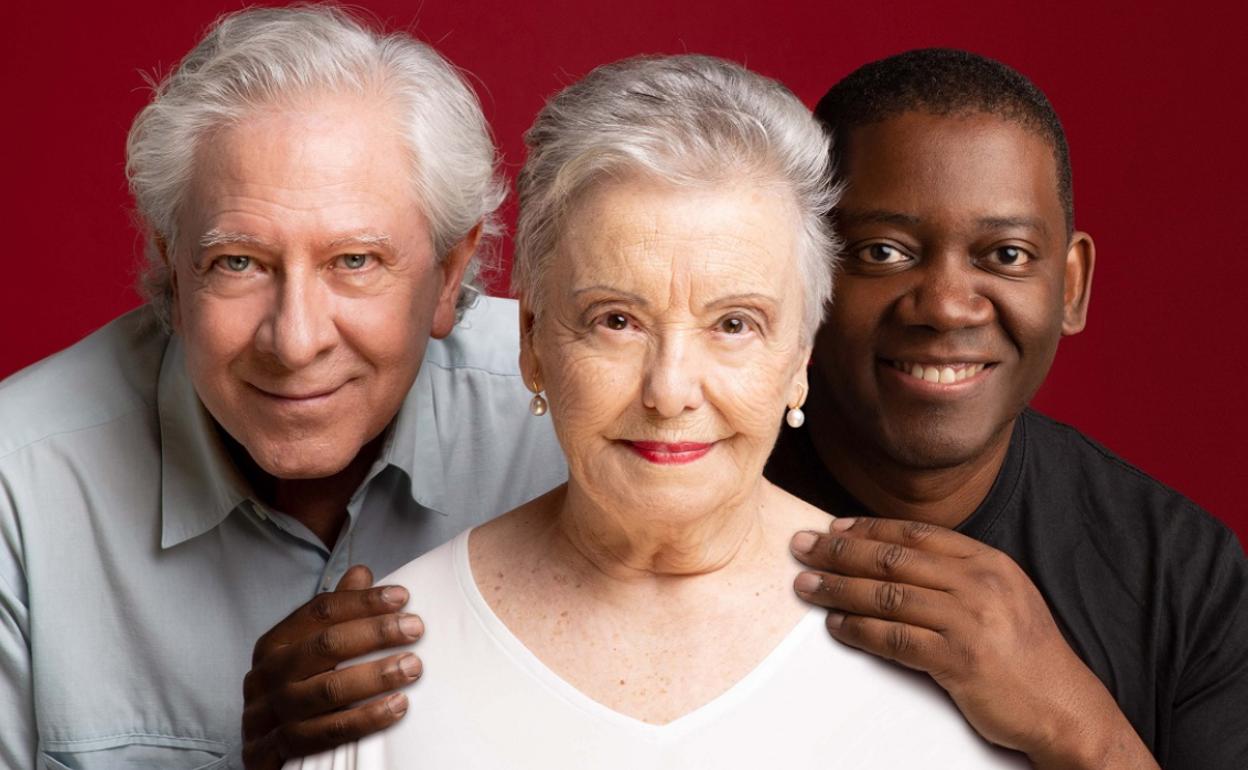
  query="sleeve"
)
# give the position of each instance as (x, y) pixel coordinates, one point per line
(17, 729)
(1209, 718)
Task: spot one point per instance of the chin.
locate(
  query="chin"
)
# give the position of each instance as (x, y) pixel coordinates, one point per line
(296, 460)
(934, 445)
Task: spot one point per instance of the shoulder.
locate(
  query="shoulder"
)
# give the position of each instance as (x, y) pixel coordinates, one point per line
(1073, 463)
(486, 339)
(108, 375)
(429, 577)
(1136, 522)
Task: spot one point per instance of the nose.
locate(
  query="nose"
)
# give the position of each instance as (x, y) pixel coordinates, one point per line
(947, 296)
(673, 377)
(300, 326)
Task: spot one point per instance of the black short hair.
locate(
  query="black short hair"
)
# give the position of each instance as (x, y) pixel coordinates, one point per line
(944, 81)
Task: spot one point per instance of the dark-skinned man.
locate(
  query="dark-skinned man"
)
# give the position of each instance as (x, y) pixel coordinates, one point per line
(1073, 608)
(1080, 611)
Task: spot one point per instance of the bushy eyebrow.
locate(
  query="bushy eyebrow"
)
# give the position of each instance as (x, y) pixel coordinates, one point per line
(362, 239)
(216, 237)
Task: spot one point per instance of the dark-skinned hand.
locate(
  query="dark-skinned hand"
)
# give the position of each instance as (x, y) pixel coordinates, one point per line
(965, 613)
(294, 701)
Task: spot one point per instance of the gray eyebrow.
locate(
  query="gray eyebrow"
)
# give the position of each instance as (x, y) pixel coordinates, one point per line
(216, 237)
(612, 290)
(363, 239)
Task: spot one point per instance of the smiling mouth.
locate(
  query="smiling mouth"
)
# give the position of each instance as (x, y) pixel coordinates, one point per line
(942, 374)
(299, 397)
(661, 453)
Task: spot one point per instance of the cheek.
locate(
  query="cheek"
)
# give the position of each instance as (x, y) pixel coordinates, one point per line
(217, 331)
(588, 389)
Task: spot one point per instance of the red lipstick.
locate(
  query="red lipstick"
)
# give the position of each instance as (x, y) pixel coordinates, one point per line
(670, 454)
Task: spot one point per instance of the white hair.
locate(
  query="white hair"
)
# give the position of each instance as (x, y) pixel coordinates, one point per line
(261, 56)
(685, 120)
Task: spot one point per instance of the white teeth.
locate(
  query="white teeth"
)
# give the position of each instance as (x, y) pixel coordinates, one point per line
(943, 375)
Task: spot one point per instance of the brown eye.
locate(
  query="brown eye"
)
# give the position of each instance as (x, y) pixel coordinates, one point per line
(881, 254)
(732, 325)
(1011, 255)
(616, 322)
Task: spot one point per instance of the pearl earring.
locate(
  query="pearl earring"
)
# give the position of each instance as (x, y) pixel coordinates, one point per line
(795, 417)
(538, 405)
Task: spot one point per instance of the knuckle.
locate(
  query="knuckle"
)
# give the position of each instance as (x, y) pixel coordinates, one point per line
(834, 548)
(898, 640)
(330, 691)
(338, 731)
(321, 608)
(326, 643)
(837, 586)
(889, 598)
(889, 557)
(915, 532)
(388, 630)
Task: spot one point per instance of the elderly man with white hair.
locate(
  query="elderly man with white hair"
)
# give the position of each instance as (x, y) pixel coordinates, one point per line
(299, 395)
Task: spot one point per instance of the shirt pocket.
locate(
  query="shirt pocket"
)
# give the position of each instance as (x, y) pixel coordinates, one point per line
(134, 756)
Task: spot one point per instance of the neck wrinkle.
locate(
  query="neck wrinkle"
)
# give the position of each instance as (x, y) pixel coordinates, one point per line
(623, 549)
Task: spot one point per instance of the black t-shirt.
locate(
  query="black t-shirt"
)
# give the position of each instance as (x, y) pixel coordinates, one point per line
(1149, 590)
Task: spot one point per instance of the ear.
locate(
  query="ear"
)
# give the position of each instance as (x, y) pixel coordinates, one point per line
(800, 385)
(530, 368)
(1080, 261)
(175, 308)
(452, 269)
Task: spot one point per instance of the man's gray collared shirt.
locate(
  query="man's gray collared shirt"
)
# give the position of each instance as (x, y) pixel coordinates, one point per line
(136, 573)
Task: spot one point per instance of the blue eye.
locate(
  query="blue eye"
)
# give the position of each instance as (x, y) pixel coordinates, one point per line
(354, 261)
(236, 263)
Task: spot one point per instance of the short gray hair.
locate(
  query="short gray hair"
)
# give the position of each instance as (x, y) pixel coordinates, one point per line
(685, 120)
(255, 57)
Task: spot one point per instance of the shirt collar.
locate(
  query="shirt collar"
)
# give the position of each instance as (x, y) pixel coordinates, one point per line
(414, 446)
(199, 484)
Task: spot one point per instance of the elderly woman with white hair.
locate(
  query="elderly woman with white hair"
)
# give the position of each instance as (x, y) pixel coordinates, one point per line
(673, 260)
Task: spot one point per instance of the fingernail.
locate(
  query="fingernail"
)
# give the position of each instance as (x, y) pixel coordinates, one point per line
(397, 704)
(807, 582)
(411, 626)
(835, 620)
(802, 542)
(410, 665)
(840, 525)
(393, 595)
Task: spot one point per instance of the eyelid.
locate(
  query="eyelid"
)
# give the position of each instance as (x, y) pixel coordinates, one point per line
(856, 251)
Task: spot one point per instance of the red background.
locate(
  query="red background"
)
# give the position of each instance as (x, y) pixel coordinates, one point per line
(1152, 98)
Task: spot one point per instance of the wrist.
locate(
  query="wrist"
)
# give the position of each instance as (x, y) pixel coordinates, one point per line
(1107, 743)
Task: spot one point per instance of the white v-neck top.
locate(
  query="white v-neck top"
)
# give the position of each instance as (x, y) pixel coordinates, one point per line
(484, 701)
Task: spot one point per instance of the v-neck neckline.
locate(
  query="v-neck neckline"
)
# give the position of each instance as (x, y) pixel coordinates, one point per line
(510, 644)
